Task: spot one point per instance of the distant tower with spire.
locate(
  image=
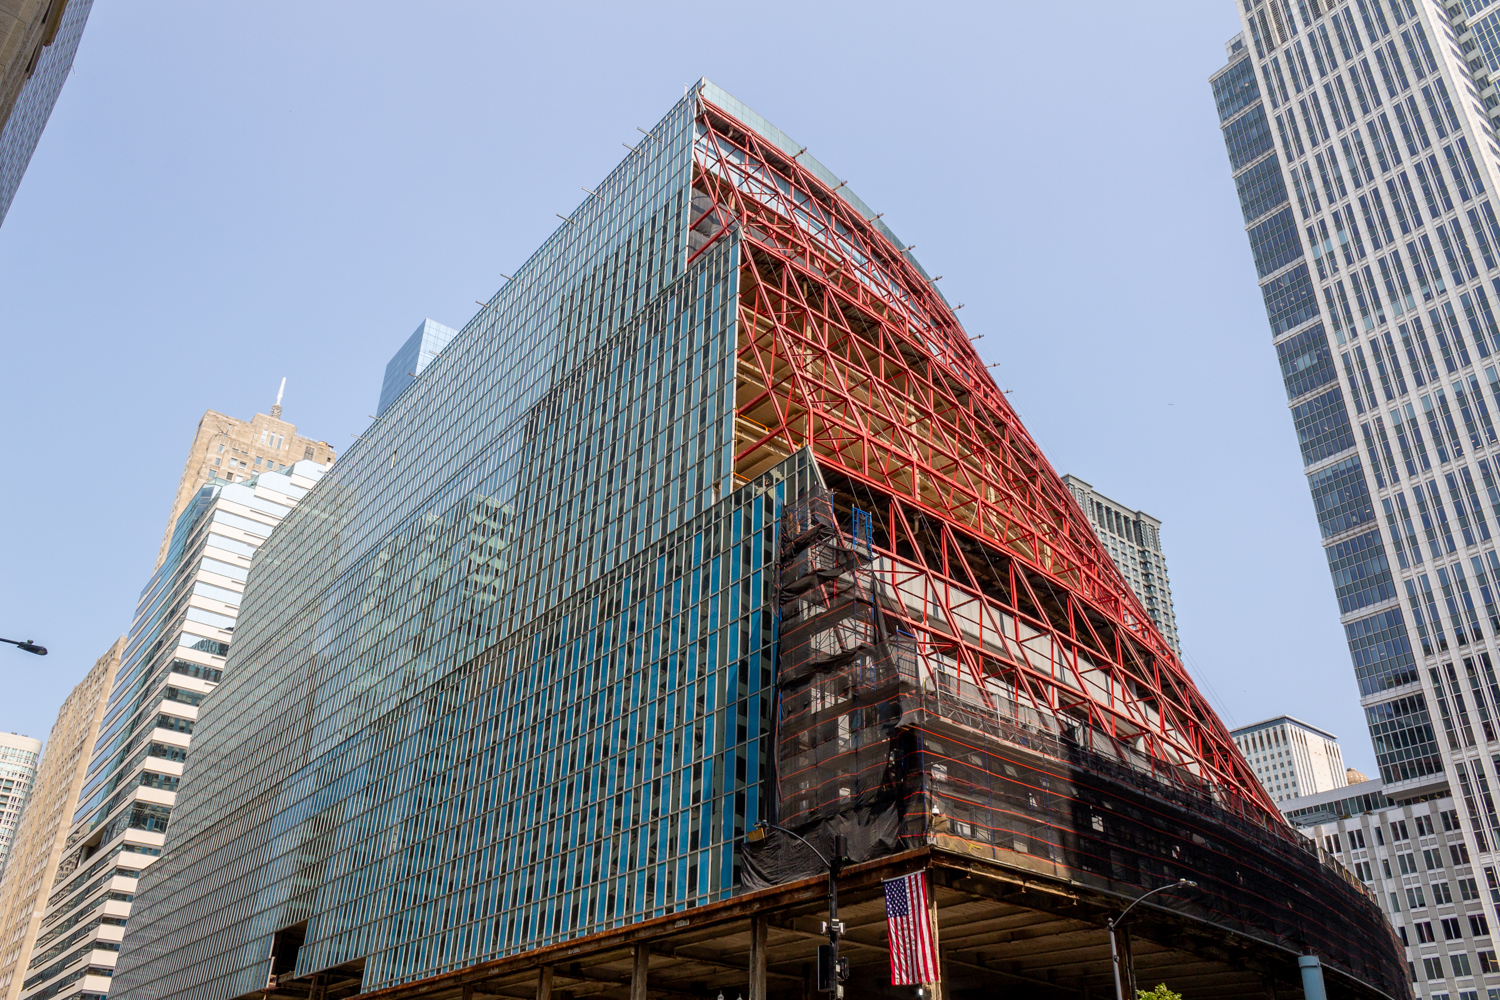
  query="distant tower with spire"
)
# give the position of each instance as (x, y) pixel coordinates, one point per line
(232, 450)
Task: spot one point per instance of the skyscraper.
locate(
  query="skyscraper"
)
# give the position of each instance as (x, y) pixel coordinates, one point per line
(1365, 158)
(1416, 859)
(411, 358)
(42, 835)
(713, 515)
(38, 39)
(235, 450)
(1133, 540)
(173, 658)
(1291, 758)
(18, 761)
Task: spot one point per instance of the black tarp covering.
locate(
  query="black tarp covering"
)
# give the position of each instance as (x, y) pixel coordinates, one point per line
(893, 754)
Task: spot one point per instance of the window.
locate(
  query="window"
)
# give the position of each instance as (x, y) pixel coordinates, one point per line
(1407, 863)
(1424, 931)
(1433, 858)
(1424, 826)
(1261, 189)
(1433, 967)
(1291, 299)
(1451, 930)
(1487, 962)
(1247, 138)
(1404, 940)
(1340, 497)
(307, 453)
(1414, 897)
(1275, 243)
(1361, 574)
(1479, 925)
(1385, 866)
(1460, 962)
(1398, 831)
(1469, 890)
(1441, 893)
(1459, 853)
(1450, 820)
(1357, 839)
(1235, 89)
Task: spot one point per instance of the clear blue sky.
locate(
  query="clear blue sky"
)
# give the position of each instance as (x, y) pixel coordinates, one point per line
(232, 192)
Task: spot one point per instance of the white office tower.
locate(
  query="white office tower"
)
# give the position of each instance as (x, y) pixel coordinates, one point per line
(174, 656)
(1133, 539)
(1417, 862)
(1368, 171)
(1292, 758)
(18, 760)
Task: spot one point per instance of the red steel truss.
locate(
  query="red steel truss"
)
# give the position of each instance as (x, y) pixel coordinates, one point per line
(845, 347)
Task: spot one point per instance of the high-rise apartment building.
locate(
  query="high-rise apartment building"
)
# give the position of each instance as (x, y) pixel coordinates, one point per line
(411, 358)
(42, 835)
(1291, 758)
(18, 761)
(713, 515)
(173, 658)
(235, 450)
(1367, 165)
(38, 39)
(1133, 540)
(1415, 858)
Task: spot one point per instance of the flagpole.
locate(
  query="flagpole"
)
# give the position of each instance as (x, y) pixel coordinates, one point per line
(937, 951)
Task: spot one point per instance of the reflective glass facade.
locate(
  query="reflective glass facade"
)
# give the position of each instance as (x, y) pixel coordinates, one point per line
(173, 658)
(555, 607)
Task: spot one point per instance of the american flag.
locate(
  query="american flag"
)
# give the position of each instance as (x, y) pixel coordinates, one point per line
(914, 957)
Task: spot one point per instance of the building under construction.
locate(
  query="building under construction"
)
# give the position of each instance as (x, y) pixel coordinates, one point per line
(713, 516)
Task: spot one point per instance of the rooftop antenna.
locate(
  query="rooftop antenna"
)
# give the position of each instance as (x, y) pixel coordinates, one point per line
(276, 407)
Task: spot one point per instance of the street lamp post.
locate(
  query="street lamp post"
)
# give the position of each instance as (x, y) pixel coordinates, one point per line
(27, 646)
(830, 966)
(1115, 922)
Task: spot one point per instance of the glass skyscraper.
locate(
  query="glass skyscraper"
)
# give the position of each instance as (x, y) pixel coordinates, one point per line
(1361, 136)
(411, 358)
(712, 515)
(173, 658)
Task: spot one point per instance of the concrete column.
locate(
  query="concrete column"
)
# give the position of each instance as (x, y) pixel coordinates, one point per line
(638, 974)
(544, 983)
(758, 929)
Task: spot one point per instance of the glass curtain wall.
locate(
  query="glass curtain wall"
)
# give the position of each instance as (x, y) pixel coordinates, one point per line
(505, 678)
